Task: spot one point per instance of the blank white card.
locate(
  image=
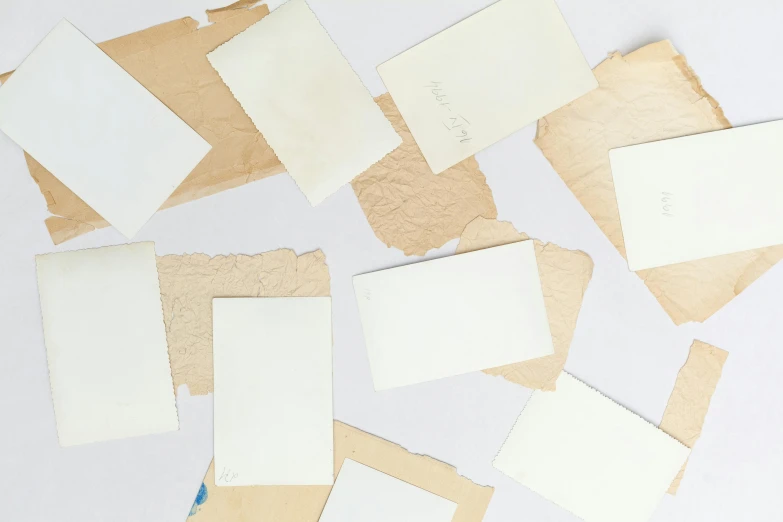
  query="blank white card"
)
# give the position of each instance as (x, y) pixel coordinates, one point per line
(363, 494)
(97, 129)
(700, 196)
(273, 391)
(485, 78)
(589, 455)
(106, 343)
(453, 315)
(301, 93)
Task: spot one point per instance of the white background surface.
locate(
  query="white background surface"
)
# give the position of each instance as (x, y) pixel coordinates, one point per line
(625, 345)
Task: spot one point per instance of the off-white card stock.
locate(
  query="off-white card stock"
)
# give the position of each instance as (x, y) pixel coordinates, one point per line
(106, 343)
(453, 315)
(363, 494)
(700, 196)
(485, 78)
(94, 127)
(273, 391)
(590, 455)
(301, 93)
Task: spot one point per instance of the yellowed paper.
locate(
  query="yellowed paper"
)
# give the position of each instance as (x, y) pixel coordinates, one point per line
(304, 503)
(690, 399)
(188, 283)
(409, 207)
(650, 94)
(564, 277)
(170, 61)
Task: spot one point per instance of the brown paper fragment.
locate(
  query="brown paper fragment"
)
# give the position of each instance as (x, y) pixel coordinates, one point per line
(188, 283)
(564, 277)
(409, 207)
(170, 61)
(217, 15)
(690, 399)
(305, 503)
(650, 94)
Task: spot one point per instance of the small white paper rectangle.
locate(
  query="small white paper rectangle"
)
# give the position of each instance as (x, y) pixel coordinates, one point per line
(589, 455)
(106, 343)
(700, 196)
(301, 93)
(273, 391)
(453, 315)
(363, 494)
(97, 129)
(485, 78)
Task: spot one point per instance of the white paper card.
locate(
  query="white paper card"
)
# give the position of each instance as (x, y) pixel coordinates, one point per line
(453, 315)
(485, 78)
(273, 391)
(301, 93)
(363, 494)
(97, 129)
(700, 196)
(589, 455)
(106, 343)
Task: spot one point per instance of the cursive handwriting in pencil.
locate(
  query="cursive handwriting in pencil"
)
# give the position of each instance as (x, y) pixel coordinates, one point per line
(227, 475)
(456, 124)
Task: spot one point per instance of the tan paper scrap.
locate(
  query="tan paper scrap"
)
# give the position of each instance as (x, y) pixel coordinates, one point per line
(690, 399)
(305, 503)
(564, 277)
(188, 283)
(409, 207)
(648, 95)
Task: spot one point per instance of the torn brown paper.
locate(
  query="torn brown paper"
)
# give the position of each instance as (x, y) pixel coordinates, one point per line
(409, 207)
(690, 399)
(170, 60)
(305, 503)
(188, 283)
(564, 277)
(650, 94)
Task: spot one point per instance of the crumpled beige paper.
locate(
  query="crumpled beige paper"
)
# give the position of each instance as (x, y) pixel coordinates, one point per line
(650, 94)
(188, 283)
(690, 399)
(170, 60)
(564, 277)
(305, 503)
(409, 207)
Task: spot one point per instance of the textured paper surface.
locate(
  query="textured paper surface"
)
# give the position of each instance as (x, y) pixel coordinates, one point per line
(188, 284)
(106, 343)
(305, 503)
(589, 455)
(409, 207)
(700, 196)
(690, 400)
(300, 91)
(273, 390)
(564, 277)
(424, 321)
(73, 109)
(486, 77)
(650, 94)
(170, 61)
(362, 493)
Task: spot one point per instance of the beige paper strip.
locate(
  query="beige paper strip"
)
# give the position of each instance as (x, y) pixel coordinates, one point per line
(188, 283)
(409, 207)
(305, 503)
(650, 94)
(564, 277)
(690, 399)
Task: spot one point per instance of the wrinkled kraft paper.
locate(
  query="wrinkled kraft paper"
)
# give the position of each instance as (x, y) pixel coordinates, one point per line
(189, 282)
(690, 399)
(170, 60)
(305, 503)
(564, 277)
(650, 94)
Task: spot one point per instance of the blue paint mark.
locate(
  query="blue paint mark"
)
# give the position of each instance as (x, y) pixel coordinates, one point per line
(201, 497)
